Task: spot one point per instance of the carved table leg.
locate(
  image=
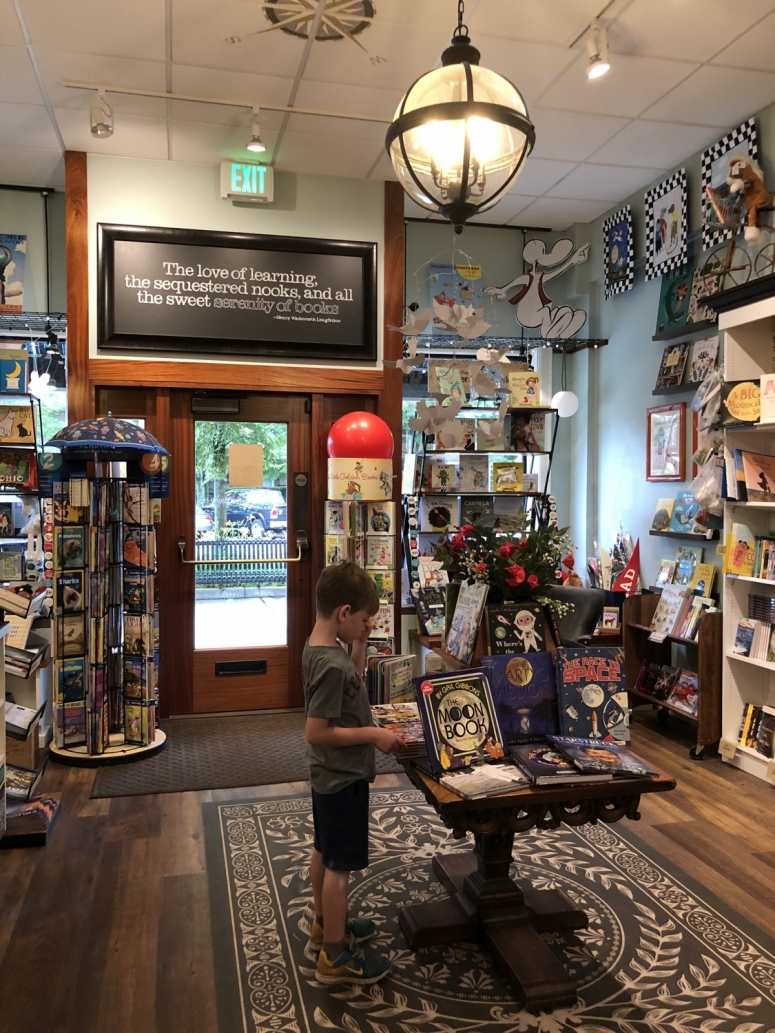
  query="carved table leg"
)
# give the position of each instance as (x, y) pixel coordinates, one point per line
(485, 900)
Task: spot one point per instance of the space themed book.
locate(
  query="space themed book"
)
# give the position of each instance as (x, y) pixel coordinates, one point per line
(523, 691)
(518, 629)
(459, 720)
(592, 693)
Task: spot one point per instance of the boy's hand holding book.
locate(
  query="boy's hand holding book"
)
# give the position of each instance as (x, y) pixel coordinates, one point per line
(387, 741)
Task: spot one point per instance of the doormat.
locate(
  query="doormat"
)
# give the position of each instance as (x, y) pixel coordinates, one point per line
(661, 954)
(220, 753)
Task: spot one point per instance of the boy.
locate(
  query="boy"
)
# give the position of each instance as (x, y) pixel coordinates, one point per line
(341, 739)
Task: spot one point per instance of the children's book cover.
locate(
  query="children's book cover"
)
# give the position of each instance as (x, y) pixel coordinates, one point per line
(135, 591)
(70, 635)
(459, 719)
(14, 371)
(6, 520)
(473, 473)
(704, 357)
(507, 477)
(740, 402)
(473, 510)
(524, 388)
(381, 517)
(136, 542)
(759, 473)
(69, 591)
(489, 435)
(666, 679)
(383, 622)
(665, 573)
(684, 694)
(69, 680)
(519, 628)
(673, 364)
(334, 549)
(18, 467)
(684, 512)
(438, 513)
(429, 603)
(380, 552)
(69, 547)
(686, 559)
(674, 297)
(430, 573)
(460, 437)
(443, 477)
(138, 681)
(71, 725)
(524, 693)
(527, 432)
(464, 628)
(16, 427)
(383, 580)
(663, 514)
(592, 693)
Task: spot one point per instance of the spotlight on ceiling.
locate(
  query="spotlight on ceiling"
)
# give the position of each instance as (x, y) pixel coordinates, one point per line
(254, 143)
(597, 48)
(460, 135)
(101, 116)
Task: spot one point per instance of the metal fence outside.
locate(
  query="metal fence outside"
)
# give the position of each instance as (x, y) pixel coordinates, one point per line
(226, 575)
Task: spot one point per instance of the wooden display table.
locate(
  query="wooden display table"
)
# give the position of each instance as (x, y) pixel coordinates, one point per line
(486, 904)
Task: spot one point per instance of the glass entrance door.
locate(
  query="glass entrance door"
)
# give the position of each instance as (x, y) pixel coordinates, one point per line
(250, 577)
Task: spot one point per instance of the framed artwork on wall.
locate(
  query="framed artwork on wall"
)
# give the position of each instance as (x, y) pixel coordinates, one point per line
(617, 249)
(665, 443)
(714, 166)
(666, 225)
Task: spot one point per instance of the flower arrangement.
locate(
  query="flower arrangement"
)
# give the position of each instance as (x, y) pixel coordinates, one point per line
(517, 566)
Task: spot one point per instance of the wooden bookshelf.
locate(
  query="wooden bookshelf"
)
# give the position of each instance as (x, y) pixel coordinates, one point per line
(704, 655)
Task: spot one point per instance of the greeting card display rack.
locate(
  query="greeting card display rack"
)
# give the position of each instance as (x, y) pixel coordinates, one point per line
(105, 639)
(21, 441)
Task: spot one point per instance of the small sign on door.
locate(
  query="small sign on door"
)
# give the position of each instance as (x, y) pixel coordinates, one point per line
(246, 466)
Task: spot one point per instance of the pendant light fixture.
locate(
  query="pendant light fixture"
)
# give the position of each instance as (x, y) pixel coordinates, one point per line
(101, 117)
(255, 143)
(460, 135)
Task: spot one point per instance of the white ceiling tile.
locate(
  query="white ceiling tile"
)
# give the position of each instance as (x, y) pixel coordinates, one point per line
(133, 29)
(755, 49)
(716, 95)
(559, 213)
(134, 137)
(10, 30)
(344, 129)
(26, 125)
(558, 22)
(19, 82)
(234, 86)
(643, 143)
(28, 166)
(326, 155)
(353, 100)
(207, 144)
(56, 65)
(505, 210)
(570, 136)
(630, 86)
(539, 174)
(532, 67)
(407, 54)
(610, 183)
(692, 30)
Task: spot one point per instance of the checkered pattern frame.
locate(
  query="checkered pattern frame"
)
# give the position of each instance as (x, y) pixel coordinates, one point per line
(650, 198)
(745, 132)
(626, 284)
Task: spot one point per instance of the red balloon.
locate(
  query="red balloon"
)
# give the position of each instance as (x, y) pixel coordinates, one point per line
(360, 435)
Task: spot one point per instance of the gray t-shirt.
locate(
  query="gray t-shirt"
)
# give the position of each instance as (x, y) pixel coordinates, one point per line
(333, 689)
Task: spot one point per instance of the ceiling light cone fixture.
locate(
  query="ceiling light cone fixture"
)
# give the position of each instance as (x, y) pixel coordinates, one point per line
(460, 135)
(101, 117)
(597, 48)
(255, 143)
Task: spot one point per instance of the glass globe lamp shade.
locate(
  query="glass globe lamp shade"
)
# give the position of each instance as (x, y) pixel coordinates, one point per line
(460, 136)
(566, 403)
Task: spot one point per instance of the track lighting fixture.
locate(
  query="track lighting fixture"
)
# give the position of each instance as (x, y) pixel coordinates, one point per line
(597, 48)
(101, 117)
(254, 143)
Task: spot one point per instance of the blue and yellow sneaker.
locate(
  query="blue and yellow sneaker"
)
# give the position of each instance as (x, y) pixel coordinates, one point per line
(361, 928)
(354, 965)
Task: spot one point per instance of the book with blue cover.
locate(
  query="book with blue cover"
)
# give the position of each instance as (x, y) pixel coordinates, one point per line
(592, 693)
(523, 691)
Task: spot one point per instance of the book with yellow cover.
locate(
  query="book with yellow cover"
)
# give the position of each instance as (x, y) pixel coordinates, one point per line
(524, 388)
(507, 477)
(740, 550)
(702, 579)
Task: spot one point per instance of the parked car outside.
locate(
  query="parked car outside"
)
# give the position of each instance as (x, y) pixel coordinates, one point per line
(203, 523)
(262, 510)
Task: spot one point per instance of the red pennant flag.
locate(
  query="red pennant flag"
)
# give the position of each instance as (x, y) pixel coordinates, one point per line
(627, 581)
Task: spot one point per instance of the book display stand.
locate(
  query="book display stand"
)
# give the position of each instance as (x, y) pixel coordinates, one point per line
(702, 655)
(105, 634)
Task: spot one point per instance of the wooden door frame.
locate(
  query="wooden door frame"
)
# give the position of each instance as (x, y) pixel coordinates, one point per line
(86, 375)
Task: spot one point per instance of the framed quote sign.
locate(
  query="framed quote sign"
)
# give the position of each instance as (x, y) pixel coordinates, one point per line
(665, 443)
(235, 294)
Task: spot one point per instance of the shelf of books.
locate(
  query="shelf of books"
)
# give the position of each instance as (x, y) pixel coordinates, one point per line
(106, 618)
(672, 647)
(748, 422)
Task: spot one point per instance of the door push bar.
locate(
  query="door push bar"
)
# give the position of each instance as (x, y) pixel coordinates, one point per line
(302, 544)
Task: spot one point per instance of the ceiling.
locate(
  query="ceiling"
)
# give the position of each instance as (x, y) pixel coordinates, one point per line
(682, 73)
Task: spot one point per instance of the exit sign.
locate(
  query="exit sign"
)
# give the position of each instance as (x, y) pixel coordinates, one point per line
(247, 182)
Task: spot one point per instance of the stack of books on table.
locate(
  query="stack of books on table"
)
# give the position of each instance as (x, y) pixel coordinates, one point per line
(389, 679)
(403, 719)
(563, 758)
(482, 780)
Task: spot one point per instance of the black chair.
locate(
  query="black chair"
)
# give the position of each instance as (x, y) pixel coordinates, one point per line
(579, 621)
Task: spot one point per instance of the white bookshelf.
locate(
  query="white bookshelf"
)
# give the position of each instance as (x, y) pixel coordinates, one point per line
(748, 352)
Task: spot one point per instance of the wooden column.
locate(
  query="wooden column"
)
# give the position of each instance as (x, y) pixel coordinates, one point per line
(80, 399)
(389, 407)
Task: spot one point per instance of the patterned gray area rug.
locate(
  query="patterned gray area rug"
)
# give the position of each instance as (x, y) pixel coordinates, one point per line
(219, 753)
(661, 955)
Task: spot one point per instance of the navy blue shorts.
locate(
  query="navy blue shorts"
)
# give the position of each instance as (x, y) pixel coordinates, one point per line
(341, 822)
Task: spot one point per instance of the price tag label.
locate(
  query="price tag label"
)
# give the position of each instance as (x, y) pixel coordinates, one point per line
(770, 772)
(727, 749)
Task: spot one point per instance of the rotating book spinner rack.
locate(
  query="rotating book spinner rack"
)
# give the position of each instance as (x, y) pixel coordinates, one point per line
(105, 639)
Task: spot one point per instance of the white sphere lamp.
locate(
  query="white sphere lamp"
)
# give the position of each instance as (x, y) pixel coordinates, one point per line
(566, 403)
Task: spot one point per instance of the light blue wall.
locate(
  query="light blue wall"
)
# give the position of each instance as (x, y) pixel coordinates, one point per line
(22, 212)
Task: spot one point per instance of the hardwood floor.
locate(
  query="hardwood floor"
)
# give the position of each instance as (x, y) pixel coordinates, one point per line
(108, 926)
